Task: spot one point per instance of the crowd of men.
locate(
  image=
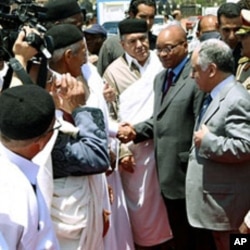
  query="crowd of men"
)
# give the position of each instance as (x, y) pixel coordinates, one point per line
(129, 142)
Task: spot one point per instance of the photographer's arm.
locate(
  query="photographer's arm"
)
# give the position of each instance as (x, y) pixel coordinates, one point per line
(23, 52)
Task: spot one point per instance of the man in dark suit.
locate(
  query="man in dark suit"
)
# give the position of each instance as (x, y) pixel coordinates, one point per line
(219, 164)
(171, 127)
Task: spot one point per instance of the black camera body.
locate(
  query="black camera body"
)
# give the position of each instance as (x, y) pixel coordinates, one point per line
(26, 12)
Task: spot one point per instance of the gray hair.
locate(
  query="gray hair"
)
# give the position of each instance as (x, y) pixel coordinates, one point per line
(217, 52)
(58, 53)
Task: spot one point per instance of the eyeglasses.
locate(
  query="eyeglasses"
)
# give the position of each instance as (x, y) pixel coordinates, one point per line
(168, 48)
(57, 127)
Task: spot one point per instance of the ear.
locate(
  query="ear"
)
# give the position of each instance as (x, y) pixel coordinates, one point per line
(67, 56)
(212, 70)
(42, 141)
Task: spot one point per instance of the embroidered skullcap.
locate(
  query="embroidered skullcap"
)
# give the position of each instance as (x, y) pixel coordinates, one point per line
(132, 25)
(60, 9)
(96, 29)
(26, 112)
(64, 35)
(245, 28)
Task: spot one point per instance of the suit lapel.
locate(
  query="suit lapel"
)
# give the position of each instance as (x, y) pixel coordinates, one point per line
(179, 84)
(215, 104)
(158, 90)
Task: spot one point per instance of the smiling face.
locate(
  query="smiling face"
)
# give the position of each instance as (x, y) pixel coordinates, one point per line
(137, 46)
(172, 46)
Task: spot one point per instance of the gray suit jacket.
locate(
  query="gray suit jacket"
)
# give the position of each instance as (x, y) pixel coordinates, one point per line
(171, 127)
(218, 176)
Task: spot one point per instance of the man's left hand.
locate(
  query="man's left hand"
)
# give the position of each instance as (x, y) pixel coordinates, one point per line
(198, 135)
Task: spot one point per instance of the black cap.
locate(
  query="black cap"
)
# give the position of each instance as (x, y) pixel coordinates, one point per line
(64, 35)
(60, 9)
(132, 25)
(26, 112)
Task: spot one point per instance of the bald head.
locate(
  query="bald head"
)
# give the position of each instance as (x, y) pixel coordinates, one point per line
(171, 45)
(207, 23)
(174, 31)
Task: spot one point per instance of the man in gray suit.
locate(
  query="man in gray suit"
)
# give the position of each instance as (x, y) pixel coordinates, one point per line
(171, 128)
(217, 182)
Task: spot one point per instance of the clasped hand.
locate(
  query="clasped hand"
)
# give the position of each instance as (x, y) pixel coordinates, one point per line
(126, 132)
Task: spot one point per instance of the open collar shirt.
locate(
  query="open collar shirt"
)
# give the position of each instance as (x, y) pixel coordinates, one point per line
(131, 60)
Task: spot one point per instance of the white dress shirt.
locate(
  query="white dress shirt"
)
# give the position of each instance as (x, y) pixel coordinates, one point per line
(24, 218)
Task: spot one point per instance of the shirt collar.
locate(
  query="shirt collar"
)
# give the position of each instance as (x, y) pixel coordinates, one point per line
(177, 70)
(29, 168)
(131, 60)
(221, 85)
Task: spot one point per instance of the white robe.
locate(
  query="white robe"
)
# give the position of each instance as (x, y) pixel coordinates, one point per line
(146, 208)
(118, 237)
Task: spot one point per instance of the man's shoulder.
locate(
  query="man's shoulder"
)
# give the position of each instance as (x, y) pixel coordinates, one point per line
(112, 41)
(9, 169)
(116, 64)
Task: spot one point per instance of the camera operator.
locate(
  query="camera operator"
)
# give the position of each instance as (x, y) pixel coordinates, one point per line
(23, 52)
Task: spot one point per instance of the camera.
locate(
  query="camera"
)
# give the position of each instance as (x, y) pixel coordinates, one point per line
(14, 14)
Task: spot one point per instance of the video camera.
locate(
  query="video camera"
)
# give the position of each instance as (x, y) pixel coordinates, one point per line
(14, 14)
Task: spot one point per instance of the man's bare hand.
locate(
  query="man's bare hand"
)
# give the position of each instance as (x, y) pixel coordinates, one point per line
(244, 229)
(109, 93)
(106, 221)
(22, 50)
(127, 163)
(126, 132)
(198, 135)
(68, 93)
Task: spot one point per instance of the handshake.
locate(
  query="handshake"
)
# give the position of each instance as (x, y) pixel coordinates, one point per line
(126, 132)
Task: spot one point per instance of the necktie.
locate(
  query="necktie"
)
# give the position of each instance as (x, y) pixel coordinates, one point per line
(169, 82)
(204, 107)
